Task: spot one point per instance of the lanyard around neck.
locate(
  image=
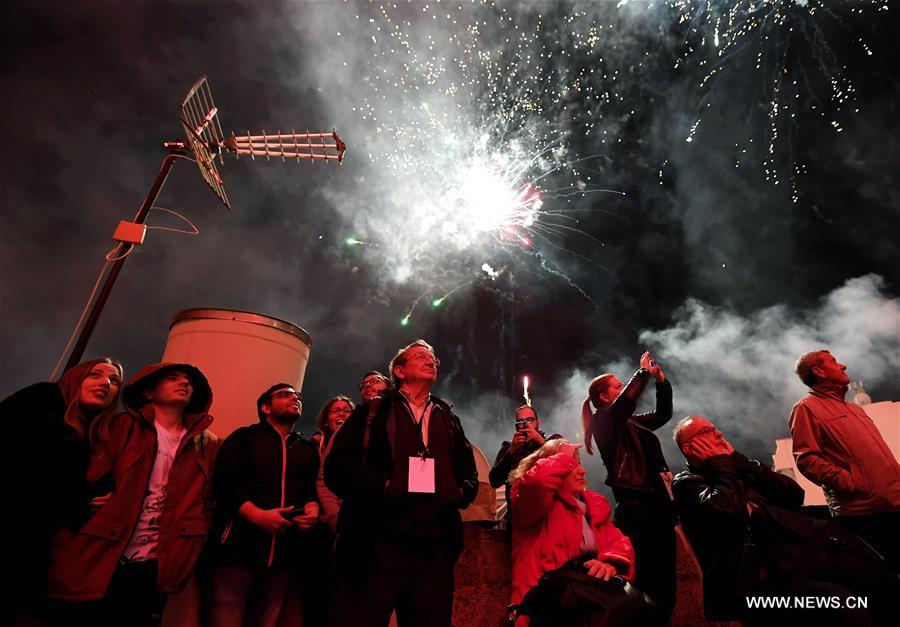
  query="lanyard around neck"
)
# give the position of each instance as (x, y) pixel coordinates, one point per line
(419, 421)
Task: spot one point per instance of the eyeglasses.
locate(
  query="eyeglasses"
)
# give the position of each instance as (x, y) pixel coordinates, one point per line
(424, 357)
(287, 394)
(371, 381)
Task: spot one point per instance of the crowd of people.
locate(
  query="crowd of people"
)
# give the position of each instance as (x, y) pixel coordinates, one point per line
(114, 512)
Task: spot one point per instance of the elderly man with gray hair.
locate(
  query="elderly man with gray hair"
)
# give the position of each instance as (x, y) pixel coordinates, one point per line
(403, 467)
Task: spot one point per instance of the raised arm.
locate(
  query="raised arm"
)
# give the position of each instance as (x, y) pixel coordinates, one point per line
(534, 492)
(780, 489)
(653, 420)
(719, 490)
(502, 466)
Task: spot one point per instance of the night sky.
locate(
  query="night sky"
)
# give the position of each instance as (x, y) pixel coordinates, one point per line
(773, 231)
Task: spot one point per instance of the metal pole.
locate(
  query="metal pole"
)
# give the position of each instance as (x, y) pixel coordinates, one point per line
(91, 321)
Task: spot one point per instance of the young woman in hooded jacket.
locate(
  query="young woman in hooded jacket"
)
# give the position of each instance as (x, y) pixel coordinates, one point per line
(50, 428)
(145, 536)
(555, 519)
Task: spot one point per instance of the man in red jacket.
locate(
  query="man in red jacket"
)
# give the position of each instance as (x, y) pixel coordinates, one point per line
(144, 539)
(838, 447)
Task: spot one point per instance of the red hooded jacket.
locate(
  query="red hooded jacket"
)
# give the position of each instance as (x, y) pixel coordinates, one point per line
(547, 527)
(83, 561)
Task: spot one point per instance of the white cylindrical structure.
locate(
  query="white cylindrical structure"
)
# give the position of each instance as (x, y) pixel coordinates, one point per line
(242, 354)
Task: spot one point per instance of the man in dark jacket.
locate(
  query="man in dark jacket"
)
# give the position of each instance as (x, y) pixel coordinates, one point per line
(403, 467)
(744, 523)
(637, 472)
(712, 499)
(527, 439)
(265, 489)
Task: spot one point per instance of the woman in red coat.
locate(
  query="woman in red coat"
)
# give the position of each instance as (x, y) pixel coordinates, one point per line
(556, 519)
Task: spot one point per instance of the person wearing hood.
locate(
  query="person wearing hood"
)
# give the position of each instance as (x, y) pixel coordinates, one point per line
(52, 426)
(144, 540)
(837, 446)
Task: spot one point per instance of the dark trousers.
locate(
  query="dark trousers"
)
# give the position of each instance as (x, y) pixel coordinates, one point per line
(652, 534)
(881, 530)
(240, 596)
(132, 599)
(415, 578)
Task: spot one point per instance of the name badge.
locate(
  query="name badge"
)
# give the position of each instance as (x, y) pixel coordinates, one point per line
(421, 475)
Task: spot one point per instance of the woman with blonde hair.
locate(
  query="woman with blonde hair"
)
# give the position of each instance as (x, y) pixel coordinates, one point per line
(556, 519)
(50, 429)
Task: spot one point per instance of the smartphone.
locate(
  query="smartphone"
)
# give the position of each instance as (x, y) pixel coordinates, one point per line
(294, 511)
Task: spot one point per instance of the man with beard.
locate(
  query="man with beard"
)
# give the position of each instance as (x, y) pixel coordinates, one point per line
(838, 447)
(403, 467)
(527, 438)
(265, 490)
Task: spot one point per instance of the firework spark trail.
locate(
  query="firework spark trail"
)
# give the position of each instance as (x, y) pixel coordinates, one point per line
(765, 28)
(473, 116)
(406, 318)
(440, 301)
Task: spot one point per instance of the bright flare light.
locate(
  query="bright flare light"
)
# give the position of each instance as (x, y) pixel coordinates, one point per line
(488, 202)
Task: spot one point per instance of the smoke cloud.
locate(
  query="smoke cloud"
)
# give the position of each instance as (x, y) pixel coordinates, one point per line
(738, 370)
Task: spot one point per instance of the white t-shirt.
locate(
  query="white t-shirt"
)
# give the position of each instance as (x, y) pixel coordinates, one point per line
(142, 546)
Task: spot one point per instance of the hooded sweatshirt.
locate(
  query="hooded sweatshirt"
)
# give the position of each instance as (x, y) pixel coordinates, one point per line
(83, 562)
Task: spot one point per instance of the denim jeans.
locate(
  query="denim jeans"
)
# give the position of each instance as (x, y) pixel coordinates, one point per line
(240, 596)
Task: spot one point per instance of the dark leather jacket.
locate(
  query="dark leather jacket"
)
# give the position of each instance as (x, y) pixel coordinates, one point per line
(712, 503)
(630, 450)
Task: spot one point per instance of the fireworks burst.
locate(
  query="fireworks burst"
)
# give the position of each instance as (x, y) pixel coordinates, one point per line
(775, 36)
(488, 127)
(472, 124)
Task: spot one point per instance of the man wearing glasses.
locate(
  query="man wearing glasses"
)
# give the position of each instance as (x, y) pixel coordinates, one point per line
(526, 440)
(373, 384)
(403, 466)
(265, 491)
